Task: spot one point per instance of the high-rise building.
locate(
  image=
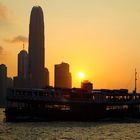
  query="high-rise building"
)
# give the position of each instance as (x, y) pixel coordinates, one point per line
(20, 81)
(22, 64)
(3, 84)
(62, 76)
(36, 49)
(46, 77)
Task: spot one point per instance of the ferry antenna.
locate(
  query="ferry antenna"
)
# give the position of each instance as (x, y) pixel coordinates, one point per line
(135, 91)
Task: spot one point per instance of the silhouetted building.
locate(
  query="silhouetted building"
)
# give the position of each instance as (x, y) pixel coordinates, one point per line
(22, 64)
(9, 82)
(21, 80)
(62, 76)
(46, 77)
(36, 49)
(3, 84)
(86, 85)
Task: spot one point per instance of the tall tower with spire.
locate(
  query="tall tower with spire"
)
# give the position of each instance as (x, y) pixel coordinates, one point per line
(20, 81)
(36, 49)
(22, 64)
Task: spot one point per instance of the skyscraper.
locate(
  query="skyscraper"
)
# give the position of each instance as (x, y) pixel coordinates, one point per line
(62, 76)
(3, 84)
(46, 77)
(22, 64)
(21, 80)
(36, 49)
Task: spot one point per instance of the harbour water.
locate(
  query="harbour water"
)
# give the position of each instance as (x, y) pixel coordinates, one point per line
(126, 129)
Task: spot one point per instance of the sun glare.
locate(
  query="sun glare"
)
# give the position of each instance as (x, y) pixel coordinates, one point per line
(81, 75)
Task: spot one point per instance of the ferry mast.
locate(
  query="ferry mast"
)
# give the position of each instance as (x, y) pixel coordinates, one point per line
(135, 91)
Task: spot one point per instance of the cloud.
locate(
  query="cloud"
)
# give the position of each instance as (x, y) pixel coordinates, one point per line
(17, 39)
(3, 12)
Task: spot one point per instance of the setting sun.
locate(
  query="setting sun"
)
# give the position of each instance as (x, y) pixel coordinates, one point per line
(81, 75)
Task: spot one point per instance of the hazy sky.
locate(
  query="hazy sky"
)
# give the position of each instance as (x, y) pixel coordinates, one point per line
(98, 37)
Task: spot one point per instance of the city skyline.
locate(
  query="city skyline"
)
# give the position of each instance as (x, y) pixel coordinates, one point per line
(103, 43)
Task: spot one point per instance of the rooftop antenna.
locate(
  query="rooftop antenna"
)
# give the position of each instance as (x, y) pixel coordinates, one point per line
(36, 3)
(23, 46)
(135, 91)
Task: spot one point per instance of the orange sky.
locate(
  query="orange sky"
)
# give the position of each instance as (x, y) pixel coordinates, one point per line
(100, 38)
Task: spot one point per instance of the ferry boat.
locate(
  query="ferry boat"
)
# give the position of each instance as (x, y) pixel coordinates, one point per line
(68, 104)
